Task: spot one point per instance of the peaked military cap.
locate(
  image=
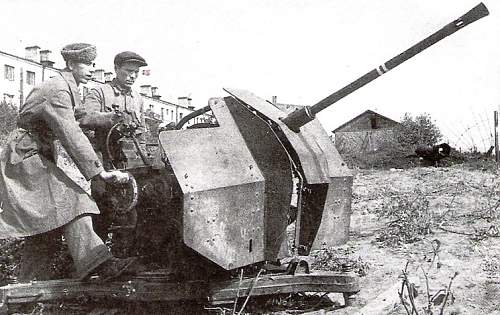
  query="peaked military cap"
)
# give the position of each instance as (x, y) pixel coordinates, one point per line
(129, 56)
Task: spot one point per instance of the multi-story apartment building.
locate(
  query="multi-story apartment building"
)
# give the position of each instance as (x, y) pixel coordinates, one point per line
(18, 75)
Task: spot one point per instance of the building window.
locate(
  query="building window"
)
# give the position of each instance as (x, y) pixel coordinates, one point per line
(9, 73)
(151, 107)
(162, 113)
(180, 115)
(30, 78)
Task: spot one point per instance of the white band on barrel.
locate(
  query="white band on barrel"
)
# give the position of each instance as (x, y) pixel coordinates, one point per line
(382, 69)
(308, 112)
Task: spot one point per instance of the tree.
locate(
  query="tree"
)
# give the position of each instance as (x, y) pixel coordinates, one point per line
(420, 130)
(8, 119)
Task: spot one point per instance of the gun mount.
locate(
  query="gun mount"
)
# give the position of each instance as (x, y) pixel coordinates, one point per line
(217, 202)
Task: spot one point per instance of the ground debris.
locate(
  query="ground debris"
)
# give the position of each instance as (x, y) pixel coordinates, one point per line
(10, 258)
(409, 219)
(461, 199)
(341, 259)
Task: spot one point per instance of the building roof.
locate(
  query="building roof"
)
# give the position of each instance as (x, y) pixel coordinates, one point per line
(367, 112)
(27, 60)
(162, 101)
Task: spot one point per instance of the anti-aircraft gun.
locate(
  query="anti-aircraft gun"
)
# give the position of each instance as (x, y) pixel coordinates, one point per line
(214, 205)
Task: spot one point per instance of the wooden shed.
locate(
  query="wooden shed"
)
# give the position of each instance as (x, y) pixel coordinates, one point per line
(367, 132)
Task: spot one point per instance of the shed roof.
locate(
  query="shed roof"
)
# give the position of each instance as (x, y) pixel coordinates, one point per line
(367, 112)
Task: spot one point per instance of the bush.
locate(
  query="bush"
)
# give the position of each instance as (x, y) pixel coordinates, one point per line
(9, 259)
(379, 160)
(420, 130)
(8, 120)
(410, 219)
(391, 154)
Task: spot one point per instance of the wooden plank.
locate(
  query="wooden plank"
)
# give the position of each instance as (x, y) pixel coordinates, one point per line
(145, 290)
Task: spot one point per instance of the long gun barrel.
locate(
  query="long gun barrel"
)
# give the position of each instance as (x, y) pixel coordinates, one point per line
(299, 118)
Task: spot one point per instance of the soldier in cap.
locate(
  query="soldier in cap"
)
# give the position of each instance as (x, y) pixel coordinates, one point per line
(40, 200)
(110, 103)
(106, 105)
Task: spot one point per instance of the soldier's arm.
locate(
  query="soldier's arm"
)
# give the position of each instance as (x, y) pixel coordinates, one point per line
(142, 118)
(138, 114)
(139, 110)
(91, 114)
(58, 113)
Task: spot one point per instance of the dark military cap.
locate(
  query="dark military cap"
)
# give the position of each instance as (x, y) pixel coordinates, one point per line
(79, 52)
(128, 56)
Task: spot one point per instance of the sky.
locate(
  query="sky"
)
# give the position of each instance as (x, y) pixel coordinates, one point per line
(300, 51)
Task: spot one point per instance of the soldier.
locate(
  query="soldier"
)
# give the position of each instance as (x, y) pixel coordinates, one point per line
(39, 200)
(105, 106)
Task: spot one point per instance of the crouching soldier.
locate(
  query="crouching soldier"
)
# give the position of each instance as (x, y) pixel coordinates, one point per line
(41, 201)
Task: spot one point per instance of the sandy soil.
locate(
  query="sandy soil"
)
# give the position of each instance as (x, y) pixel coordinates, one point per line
(464, 202)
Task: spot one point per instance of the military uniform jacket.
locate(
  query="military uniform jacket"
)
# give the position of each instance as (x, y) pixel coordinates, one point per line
(98, 113)
(107, 98)
(36, 195)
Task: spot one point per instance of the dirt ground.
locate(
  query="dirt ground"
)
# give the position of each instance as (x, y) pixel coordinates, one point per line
(460, 205)
(463, 238)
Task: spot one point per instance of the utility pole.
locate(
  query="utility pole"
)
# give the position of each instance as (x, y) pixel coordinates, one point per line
(495, 119)
(21, 88)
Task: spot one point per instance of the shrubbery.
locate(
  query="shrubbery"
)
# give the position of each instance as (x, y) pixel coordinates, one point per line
(420, 130)
(397, 151)
(8, 120)
(389, 155)
(410, 219)
(10, 259)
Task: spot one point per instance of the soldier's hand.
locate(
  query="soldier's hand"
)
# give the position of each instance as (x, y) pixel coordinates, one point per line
(132, 125)
(117, 177)
(117, 117)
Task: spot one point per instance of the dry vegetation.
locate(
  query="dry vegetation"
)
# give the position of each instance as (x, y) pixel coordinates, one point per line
(433, 225)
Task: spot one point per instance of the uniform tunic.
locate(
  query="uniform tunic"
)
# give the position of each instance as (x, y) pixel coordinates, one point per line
(36, 195)
(98, 115)
(106, 98)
